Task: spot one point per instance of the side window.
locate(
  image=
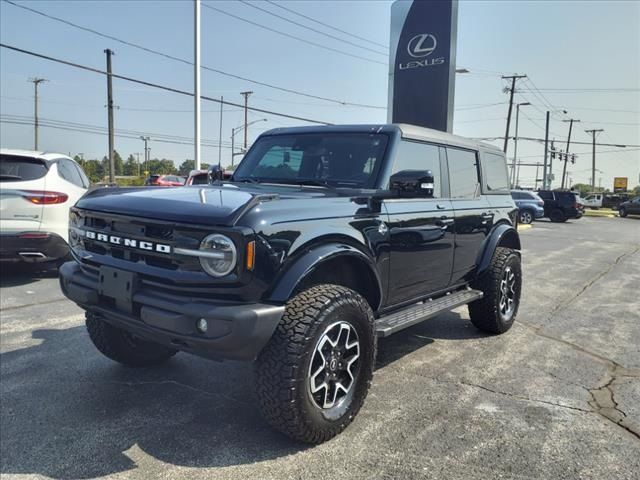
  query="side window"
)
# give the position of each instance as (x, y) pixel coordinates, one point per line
(518, 196)
(67, 170)
(546, 195)
(419, 156)
(83, 177)
(494, 169)
(463, 173)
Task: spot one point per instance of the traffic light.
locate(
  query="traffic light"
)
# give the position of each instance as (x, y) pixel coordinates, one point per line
(573, 158)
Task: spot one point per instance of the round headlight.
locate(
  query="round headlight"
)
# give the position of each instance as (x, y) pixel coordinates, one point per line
(218, 255)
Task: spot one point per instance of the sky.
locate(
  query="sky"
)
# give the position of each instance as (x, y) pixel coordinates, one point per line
(580, 56)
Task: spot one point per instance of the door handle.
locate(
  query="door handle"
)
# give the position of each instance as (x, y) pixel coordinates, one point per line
(441, 207)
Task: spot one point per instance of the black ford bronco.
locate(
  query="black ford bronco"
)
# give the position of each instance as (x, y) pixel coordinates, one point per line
(324, 239)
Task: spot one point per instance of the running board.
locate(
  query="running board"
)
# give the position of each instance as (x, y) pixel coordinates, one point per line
(409, 316)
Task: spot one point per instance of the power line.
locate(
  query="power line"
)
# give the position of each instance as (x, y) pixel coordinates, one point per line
(155, 85)
(378, 52)
(186, 62)
(294, 37)
(326, 24)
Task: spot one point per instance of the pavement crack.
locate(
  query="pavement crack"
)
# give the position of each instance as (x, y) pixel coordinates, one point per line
(523, 397)
(603, 401)
(589, 284)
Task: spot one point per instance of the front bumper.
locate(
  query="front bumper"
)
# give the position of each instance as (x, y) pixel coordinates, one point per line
(235, 330)
(32, 247)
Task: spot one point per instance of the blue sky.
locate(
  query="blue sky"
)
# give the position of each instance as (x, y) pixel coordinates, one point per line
(562, 46)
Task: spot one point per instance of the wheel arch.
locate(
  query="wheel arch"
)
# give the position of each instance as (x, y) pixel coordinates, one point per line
(503, 235)
(336, 263)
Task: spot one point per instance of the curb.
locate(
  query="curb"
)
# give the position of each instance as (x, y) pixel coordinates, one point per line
(524, 226)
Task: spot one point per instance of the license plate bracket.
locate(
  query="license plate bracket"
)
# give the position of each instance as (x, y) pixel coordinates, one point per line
(119, 285)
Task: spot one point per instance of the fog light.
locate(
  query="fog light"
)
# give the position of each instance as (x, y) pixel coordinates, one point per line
(202, 325)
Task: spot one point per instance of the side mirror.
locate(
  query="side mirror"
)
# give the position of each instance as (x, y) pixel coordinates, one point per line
(215, 173)
(412, 183)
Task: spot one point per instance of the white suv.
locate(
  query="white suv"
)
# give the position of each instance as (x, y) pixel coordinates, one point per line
(36, 191)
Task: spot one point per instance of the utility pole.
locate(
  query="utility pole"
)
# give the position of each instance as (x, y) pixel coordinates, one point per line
(110, 113)
(546, 153)
(246, 104)
(593, 157)
(196, 81)
(536, 179)
(220, 136)
(564, 169)
(36, 81)
(513, 90)
(137, 154)
(551, 159)
(515, 176)
(146, 152)
(233, 134)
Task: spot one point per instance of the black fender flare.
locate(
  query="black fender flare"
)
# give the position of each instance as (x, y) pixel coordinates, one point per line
(287, 282)
(502, 235)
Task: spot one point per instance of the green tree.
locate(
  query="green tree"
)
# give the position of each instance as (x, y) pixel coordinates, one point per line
(188, 165)
(94, 170)
(131, 167)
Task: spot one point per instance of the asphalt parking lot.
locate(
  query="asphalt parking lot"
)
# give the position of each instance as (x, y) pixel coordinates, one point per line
(556, 397)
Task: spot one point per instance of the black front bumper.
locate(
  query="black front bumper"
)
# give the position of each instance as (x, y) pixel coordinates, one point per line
(16, 247)
(235, 330)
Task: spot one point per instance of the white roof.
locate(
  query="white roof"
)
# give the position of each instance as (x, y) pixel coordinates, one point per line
(437, 136)
(33, 154)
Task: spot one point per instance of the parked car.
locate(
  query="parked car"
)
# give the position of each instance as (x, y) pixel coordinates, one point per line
(36, 191)
(561, 205)
(201, 177)
(325, 239)
(630, 207)
(530, 205)
(593, 200)
(164, 181)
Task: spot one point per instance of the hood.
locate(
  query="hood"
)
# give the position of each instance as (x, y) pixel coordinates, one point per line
(205, 205)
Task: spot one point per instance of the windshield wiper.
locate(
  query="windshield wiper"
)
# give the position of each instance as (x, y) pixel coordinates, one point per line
(313, 183)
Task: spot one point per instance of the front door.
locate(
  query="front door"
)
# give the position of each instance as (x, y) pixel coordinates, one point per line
(421, 231)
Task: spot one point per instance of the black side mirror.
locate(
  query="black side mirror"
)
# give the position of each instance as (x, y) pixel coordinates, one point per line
(412, 183)
(215, 174)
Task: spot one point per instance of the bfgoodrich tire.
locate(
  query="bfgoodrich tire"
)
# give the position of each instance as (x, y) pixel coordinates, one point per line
(315, 372)
(123, 347)
(501, 285)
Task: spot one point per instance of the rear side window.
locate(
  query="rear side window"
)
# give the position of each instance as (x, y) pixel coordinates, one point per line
(14, 168)
(546, 195)
(494, 169)
(463, 173)
(68, 171)
(419, 156)
(517, 196)
(200, 179)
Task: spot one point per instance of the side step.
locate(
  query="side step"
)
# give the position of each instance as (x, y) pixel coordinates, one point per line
(409, 316)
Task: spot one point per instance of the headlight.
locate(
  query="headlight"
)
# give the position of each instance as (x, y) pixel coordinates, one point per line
(218, 255)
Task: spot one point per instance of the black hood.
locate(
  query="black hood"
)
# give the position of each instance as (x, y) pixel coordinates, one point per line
(204, 205)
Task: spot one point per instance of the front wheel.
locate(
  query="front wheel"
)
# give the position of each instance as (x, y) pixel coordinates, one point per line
(526, 217)
(557, 216)
(315, 372)
(622, 212)
(496, 311)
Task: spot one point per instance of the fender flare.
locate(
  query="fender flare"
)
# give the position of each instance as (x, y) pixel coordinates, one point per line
(286, 283)
(502, 235)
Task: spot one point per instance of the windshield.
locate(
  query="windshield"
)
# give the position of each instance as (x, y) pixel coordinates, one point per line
(14, 168)
(337, 159)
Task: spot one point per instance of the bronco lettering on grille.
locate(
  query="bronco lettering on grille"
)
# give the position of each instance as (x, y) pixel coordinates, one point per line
(128, 242)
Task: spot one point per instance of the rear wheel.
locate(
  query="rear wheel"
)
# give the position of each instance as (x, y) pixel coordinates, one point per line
(124, 347)
(526, 217)
(315, 372)
(496, 311)
(558, 216)
(622, 212)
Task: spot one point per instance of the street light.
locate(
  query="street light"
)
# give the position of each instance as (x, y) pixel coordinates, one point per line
(233, 136)
(146, 151)
(515, 168)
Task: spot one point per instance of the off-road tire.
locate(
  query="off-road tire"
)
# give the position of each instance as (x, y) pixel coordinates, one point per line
(557, 216)
(622, 212)
(123, 347)
(283, 367)
(485, 313)
(526, 217)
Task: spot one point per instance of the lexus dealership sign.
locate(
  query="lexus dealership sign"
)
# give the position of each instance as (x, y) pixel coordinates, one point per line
(423, 62)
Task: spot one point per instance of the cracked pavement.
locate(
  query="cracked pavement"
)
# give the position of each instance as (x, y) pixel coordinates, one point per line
(556, 397)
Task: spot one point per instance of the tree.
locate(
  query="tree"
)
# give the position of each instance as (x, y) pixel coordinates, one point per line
(131, 167)
(188, 165)
(93, 169)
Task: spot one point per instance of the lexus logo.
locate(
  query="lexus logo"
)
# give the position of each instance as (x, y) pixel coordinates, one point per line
(422, 45)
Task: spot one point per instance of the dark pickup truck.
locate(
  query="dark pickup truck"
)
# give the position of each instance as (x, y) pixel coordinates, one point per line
(325, 239)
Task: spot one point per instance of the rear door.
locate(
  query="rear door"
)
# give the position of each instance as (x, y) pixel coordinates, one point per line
(472, 211)
(20, 175)
(421, 230)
